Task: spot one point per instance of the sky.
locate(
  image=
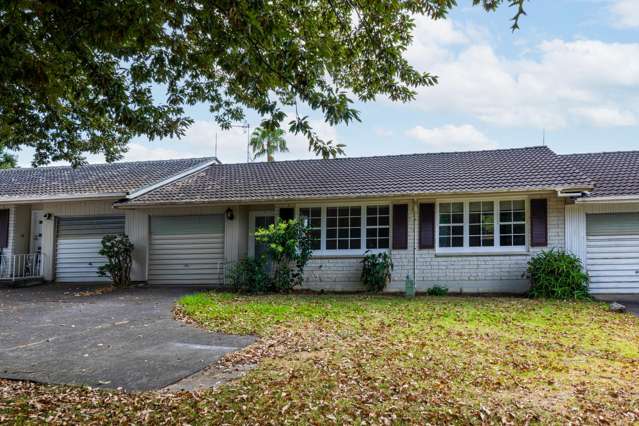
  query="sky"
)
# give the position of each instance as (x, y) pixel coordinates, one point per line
(570, 74)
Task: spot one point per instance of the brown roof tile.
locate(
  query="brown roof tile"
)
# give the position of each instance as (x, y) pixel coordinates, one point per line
(115, 178)
(614, 173)
(535, 168)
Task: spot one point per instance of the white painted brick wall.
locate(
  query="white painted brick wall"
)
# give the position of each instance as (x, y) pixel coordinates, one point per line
(469, 274)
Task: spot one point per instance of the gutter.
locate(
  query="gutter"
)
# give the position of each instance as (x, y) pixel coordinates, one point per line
(316, 198)
(613, 199)
(64, 197)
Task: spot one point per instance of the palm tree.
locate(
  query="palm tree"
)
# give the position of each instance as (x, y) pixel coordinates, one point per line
(268, 142)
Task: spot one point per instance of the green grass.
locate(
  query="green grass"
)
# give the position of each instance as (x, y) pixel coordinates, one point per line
(382, 359)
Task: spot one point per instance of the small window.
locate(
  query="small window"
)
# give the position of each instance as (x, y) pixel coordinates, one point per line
(512, 223)
(481, 221)
(377, 227)
(451, 225)
(312, 217)
(343, 228)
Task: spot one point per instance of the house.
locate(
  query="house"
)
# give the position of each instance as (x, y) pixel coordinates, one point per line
(469, 221)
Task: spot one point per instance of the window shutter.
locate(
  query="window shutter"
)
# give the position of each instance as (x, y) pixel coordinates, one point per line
(400, 226)
(287, 213)
(427, 226)
(539, 222)
(4, 228)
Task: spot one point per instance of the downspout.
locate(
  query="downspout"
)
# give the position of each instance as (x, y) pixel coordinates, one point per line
(415, 242)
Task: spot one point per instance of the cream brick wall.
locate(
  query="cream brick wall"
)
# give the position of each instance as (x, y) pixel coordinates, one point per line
(460, 273)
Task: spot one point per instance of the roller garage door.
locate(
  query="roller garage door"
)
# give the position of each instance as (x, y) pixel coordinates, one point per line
(78, 244)
(187, 250)
(613, 252)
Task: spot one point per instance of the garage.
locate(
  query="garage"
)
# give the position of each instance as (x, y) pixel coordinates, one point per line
(186, 250)
(79, 239)
(612, 242)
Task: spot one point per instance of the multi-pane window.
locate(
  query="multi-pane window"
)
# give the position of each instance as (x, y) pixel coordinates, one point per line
(490, 225)
(312, 217)
(512, 223)
(343, 228)
(451, 225)
(377, 227)
(481, 224)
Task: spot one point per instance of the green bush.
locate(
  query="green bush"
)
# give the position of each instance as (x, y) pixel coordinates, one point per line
(117, 249)
(555, 274)
(376, 271)
(249, 275)
(437, 291)
(288, 245)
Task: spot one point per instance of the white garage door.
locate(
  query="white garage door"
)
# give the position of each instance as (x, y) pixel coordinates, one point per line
(78, 244)
(613, 252)
(187, 250)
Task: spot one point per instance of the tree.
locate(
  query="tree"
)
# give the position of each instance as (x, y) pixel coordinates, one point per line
(7, 161)
(268, 142)
(86, 76)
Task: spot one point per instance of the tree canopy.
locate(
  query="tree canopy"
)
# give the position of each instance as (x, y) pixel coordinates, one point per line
(86, 76)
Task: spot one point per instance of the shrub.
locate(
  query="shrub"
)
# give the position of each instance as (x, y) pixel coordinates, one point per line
(437, 291)
(117, 249)
(555, 274)
(376, 271)
(249, 276)
(288, 244)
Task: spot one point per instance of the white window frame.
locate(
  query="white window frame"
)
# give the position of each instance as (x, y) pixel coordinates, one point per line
(359, 252)
(497, 248)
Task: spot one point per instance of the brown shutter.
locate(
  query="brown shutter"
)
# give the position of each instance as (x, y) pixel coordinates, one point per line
(287, 213)
(400, 226)
(539, 222)
(427, 226)
(4, 228)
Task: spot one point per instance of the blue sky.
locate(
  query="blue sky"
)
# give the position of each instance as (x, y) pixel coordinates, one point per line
(572, 69)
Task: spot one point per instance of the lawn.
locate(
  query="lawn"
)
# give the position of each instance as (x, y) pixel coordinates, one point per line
(381, 360)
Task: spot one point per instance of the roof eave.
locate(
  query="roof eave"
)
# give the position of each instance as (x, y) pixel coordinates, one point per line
(610, 199)
(402, 195)
(62, 197)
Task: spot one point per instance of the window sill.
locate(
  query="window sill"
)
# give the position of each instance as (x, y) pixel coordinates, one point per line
(346, 254)
(482, 253)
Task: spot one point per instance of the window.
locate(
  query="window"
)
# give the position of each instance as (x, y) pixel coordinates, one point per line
(451, 225)
(482, 225)
(481, 220)
(348, 229)
(377, 227)
(312, 217)
(512, 223)
(344, 228)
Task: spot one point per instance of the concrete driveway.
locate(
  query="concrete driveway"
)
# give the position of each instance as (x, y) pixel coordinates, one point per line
(126, 338)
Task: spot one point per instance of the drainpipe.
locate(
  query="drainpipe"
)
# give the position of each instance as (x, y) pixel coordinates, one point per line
(415, 242)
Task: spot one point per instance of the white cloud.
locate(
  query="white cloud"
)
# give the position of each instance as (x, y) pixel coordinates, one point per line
(452, 138)
(542, 91)
(607, 117)
(625, 13)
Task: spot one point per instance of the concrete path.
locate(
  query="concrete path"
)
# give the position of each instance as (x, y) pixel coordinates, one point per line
(126, 338)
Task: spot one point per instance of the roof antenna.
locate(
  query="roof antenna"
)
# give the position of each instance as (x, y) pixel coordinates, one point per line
(543, 136)
(215, 145)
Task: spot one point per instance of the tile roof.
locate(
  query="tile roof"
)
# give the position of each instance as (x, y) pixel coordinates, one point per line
(535, 168)
(115, 178)
(614, 173)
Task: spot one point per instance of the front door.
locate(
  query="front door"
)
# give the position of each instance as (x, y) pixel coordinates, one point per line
(258, 220)
(35, 244)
